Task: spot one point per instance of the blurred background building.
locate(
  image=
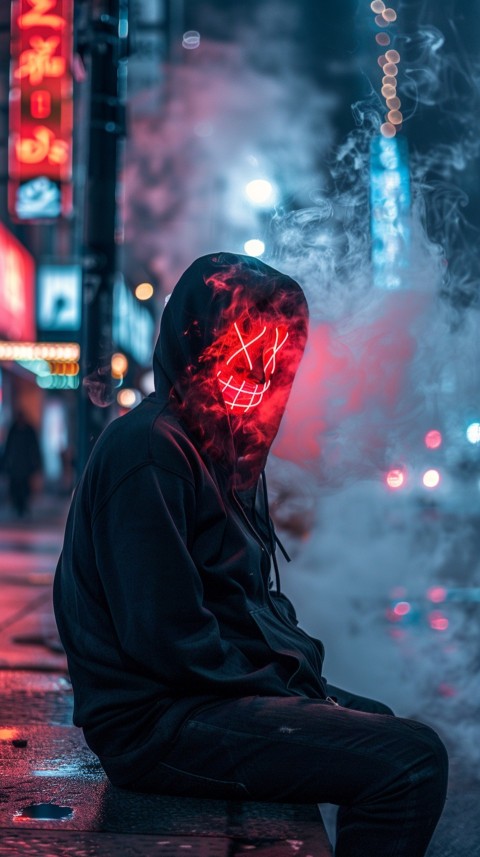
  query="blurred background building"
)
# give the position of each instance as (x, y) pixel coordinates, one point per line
(65, 299)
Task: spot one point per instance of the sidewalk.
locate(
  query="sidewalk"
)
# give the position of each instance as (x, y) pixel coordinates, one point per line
(54, 797)
(29, 549)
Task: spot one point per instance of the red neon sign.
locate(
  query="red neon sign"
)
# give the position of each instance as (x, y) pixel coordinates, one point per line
(41, 109)
(17, 273)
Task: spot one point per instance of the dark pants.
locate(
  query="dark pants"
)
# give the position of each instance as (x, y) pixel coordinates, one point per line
(387, 774)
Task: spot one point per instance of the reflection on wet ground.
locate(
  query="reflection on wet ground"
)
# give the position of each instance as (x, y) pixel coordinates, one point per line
(44, 812)
(53, 786)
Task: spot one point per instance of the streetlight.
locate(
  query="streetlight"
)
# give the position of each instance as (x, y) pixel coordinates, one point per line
(254, 247)
(260, 192)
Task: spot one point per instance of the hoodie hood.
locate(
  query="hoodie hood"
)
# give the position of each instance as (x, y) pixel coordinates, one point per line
(228, 308)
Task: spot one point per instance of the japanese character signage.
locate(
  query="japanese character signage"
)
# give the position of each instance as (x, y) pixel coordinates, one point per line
(41, 109)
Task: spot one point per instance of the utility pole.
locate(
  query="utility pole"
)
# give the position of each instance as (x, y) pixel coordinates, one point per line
(106, 55)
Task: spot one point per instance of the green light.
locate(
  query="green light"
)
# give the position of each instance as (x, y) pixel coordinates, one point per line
(38, 367)
(59, 382)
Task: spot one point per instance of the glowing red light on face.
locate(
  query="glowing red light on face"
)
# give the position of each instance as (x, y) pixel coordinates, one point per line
(248, 361)
(395, 478)
(433, 439)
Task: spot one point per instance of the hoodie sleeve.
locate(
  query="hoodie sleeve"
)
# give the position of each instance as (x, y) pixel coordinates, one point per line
(143, 535)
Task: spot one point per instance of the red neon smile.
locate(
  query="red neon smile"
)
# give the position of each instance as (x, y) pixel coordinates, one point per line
(249, 368)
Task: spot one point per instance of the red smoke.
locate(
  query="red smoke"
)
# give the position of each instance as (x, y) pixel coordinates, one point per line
(361, 372)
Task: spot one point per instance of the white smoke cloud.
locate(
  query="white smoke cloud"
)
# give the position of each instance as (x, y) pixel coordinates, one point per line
(223, 121)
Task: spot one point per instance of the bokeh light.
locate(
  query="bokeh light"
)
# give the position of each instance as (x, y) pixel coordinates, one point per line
(433, 439)
(119, 365)
(402, 608)
(388, 91)
(254, 247)
(395, 478)
(438, 621)
(39, 351)
(395, 117)
(431, 478)
(389, 15)
(473, 433)
(127, 398)
(260, 191)
(388, 63)
(392, 56)
(393, 103)
(388, 130)
(191, 40)
(144, 291)
(391, 69)
(437, 594)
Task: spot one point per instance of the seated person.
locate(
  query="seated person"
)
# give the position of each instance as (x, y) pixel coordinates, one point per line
(190, 673)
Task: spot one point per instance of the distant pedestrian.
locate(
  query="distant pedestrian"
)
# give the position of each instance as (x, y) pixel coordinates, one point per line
(21, 461)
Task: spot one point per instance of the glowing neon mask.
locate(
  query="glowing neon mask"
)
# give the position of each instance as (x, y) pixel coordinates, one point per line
(248, 361)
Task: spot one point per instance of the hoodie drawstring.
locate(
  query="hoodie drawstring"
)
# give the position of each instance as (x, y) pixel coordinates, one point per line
(273, 538)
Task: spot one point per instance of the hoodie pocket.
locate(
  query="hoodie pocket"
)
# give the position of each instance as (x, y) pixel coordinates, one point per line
(278, 639)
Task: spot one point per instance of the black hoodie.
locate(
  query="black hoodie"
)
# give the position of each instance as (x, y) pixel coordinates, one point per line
(162, 593)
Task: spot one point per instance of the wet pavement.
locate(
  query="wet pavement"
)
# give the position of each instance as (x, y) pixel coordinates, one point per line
(29, 550)
(54, 797)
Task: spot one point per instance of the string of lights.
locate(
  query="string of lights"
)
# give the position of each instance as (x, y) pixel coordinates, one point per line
(39, 350)
(388, 62)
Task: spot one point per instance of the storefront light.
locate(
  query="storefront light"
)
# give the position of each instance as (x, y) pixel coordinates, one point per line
(39, 351)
